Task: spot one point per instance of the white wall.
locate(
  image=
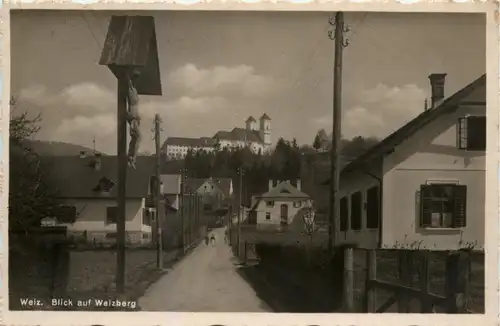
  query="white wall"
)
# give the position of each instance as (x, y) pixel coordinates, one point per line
(349, 184)
(92, 216)
(275, 211)
(432, 155)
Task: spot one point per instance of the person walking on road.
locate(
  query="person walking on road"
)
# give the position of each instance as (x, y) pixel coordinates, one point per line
(212, 239)
(226, 238)
(206, 239)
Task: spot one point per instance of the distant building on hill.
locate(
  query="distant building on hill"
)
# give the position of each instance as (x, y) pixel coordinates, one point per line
(257, 138)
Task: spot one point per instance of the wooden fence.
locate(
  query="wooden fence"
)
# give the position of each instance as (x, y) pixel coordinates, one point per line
(409, 287)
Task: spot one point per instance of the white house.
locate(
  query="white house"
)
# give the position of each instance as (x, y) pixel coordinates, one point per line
(87, 189)
(177, 147)
(279, 206)
(424, 185)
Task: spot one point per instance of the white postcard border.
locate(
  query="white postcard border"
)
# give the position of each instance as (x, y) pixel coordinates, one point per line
(204, 319)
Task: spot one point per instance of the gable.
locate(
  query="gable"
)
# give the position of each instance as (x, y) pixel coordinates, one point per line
(469, 92)
(436, 145)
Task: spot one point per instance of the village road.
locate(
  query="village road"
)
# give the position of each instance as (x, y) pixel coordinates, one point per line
(206, 280)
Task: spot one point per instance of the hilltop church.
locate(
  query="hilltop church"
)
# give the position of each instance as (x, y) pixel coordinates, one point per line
(256, 135)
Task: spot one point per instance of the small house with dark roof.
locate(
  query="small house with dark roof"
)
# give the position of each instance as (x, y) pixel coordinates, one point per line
(279, 206)
(87, 185)
(424, 185)
(214, 192)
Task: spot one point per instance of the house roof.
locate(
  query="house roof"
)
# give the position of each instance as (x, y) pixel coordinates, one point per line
(251, 119)
(284, 190)
(193, 184)
(74, 177)
(239, 134)
(400, 135)
(224, 185)
(265, 117)
(171, 183)
(189, 142)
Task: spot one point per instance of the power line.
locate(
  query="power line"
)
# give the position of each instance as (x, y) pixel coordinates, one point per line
(91, 31)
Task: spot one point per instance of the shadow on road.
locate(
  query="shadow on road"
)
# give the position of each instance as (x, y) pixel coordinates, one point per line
(280, 296)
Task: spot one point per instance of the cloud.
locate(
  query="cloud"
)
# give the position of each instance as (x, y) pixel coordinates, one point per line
(379, 111)
(88, 95)
(82, 111)
(82, 96)
(237, 80)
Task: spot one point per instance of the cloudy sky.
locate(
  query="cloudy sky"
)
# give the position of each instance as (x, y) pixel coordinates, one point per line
(218, 68)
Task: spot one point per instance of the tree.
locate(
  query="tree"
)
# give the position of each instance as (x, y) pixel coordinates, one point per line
(31, 196)
(317, 143)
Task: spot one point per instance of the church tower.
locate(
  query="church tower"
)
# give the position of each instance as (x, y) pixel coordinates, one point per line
(251, 123)
(265, 130)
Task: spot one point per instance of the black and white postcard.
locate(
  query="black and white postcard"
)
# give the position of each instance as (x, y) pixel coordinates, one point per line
(311, 165)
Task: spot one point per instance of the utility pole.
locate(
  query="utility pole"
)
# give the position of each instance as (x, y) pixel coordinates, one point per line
(159, 253)
(122, 163)
(238, 226)
(334, 214)
(181, 208)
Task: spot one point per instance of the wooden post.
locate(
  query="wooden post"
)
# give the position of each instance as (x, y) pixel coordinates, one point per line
(348, 280)
(130, 44)
(371, 275)
(405, 275)
(122, 163)
(457, 281)
(181, 210)
(159, 248)
(336, 132)
(425, 303)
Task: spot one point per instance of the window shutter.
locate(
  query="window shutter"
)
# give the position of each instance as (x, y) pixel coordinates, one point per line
(476, 133)
(425, 205)
(460, 207)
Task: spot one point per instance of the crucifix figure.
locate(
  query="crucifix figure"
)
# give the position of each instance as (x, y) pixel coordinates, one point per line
(133, 117)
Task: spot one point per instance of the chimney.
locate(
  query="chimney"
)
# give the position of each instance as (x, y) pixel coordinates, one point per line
(271, 185)
(298, 184)
(97, 161)
(83, 154)
(437, 89)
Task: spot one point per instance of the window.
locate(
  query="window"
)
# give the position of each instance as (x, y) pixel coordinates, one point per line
(270, 203)
(111, 214)
(472, 133)
(146, 217)
(146, 236)
(268, 216)
(344, 213)
(372, 208)
(284, 214)
(443, 206)
(356, 211)
(110, 235)
(297, 204)
(66, 214)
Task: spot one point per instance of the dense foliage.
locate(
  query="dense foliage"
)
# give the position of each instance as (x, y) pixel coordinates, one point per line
(31, 198)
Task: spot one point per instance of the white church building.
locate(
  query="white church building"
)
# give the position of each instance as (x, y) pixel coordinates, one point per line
(256, 135)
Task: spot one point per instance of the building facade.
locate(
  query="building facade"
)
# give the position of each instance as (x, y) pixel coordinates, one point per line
(424, 185)
(279, 206)
(256, 136)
